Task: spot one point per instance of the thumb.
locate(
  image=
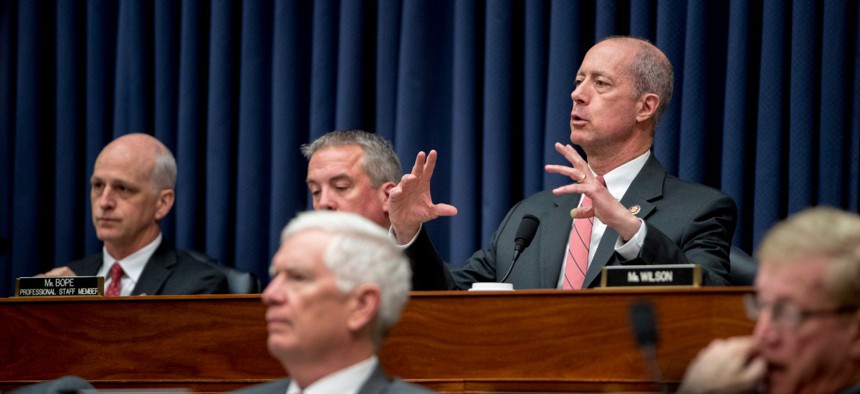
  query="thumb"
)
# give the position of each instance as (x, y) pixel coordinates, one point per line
(445, 210)
(755, 370)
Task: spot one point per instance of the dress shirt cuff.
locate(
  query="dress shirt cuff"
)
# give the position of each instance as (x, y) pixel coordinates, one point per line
(412, 241)
(631, 248)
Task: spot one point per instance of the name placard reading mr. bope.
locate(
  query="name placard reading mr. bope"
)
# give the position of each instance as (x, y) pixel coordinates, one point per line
(651, 275)
(53, 286)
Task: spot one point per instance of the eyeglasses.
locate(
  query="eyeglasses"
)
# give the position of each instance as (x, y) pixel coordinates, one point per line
(789, 316)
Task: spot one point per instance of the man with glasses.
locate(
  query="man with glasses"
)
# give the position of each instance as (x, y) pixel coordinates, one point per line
(807, 333)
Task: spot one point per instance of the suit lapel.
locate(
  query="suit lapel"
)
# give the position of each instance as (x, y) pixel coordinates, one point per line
(643, 191)
(91, 266)
(157, 269)
(555, 230)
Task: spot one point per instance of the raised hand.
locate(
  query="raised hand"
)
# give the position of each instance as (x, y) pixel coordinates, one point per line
(410, 202)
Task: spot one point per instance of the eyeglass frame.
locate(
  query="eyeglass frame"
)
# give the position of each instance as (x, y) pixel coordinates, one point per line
(793, 317)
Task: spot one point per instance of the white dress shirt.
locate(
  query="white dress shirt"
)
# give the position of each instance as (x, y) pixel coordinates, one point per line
(617, 182)
(346, 381)
(132, 266)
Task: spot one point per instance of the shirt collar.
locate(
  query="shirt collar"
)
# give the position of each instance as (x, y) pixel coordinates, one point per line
(619, 179)
(346, 381)
(133, 265)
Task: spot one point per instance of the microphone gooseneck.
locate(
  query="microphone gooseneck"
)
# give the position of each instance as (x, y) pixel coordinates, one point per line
(643, 322)
(525, 234)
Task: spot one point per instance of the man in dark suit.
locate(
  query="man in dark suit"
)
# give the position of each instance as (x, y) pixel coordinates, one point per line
(637, 213)
(338, 286)
(132, 189)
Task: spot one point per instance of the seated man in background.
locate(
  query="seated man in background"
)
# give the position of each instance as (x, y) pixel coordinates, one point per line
(807, 311)
(352, 171)
(622, 207)
(131, 190)
(338, 286)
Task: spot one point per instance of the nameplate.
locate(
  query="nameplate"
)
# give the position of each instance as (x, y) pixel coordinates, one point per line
(651, 275)
(60, 286)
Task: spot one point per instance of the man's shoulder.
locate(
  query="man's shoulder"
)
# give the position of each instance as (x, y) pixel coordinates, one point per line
(399, 386)
(89, 263)
(676, 188)
(275, 387)
(542, 197)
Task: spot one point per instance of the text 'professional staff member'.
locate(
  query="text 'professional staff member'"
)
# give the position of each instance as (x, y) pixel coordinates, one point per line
(131, 190)
(641, 216)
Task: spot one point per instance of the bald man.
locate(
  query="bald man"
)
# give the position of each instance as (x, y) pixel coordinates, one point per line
(132, 189)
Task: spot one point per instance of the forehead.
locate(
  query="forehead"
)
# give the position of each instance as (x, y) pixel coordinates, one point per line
(121, 161)
(801, 281)
(610, 58)
(339, 155)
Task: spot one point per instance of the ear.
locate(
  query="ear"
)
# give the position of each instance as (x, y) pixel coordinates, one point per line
(164, 204)
(647, 106)
(365, 305)
(384, 194)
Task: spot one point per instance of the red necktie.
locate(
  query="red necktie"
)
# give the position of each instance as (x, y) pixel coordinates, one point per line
(115, 280)
(577, 253)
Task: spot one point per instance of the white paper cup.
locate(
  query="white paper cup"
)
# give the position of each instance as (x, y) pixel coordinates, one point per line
(491, 286)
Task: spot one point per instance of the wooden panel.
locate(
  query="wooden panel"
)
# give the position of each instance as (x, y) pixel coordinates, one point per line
(449, 341)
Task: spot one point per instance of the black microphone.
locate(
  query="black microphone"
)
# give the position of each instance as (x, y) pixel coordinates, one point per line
(525, 234)
(643, 322)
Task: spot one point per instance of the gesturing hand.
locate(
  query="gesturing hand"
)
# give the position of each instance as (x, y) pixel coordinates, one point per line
(410, 203)
(604, 206)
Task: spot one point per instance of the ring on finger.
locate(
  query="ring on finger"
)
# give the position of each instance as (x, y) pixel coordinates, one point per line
(582, 178)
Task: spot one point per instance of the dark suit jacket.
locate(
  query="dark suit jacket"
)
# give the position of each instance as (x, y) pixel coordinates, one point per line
(687, 223)
(378, 383)
(63, 385)
(169, 271)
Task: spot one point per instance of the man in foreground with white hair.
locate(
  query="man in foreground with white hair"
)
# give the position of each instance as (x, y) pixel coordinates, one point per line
(338, 286)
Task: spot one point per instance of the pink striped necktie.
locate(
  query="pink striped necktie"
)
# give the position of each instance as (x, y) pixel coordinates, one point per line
(576, 264)
(115, 280)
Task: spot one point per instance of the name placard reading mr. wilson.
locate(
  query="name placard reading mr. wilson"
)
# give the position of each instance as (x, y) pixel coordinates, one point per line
(651, 275)
(53, 286)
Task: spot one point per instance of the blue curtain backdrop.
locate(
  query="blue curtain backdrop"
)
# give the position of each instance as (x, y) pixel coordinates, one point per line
(766, 106)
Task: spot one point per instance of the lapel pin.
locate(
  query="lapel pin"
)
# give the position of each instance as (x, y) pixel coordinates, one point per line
(635, 209)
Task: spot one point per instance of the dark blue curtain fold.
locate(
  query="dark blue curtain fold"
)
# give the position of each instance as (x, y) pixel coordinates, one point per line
(766, 107)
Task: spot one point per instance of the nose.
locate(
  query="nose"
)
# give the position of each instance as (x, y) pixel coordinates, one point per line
(765, 332)
(578, 95)
(105, 200)
(326, 201)
(271, 294)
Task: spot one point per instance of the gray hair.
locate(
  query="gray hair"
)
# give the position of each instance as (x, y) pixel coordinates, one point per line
(815, 233)
(651, 71)
(361, 252)
(164, 170)
(379, 162)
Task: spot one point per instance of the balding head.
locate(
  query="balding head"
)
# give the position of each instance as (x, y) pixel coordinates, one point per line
(650, 70)
(131, 191)
(160, 163)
